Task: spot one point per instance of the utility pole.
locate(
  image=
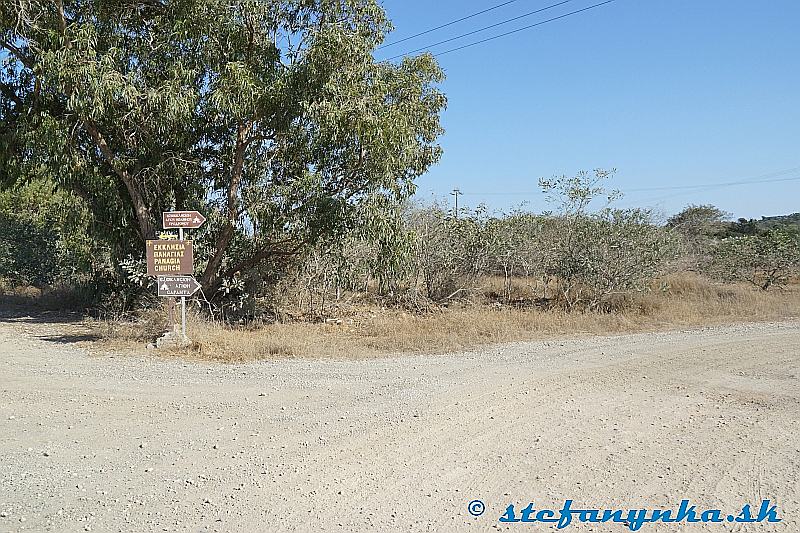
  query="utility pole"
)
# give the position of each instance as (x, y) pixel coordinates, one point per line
(455, 193)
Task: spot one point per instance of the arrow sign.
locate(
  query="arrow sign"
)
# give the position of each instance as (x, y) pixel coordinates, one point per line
(182, 219)
(177, 286)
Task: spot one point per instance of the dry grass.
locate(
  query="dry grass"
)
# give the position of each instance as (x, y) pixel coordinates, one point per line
(687, 301)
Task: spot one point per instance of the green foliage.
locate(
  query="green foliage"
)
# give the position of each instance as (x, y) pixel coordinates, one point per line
(377, 255)
(612, 252)
(573, 195)
(582, 257)
(791, 222)
(699, 226)
(766, 260)
(28, 253)
(43, 236)
(590, 256)
(742, 227)
(272, 118)
(406, 255)
(514, 247)
(387, 247)
(46, 239)
(699, 220)
(751, 226)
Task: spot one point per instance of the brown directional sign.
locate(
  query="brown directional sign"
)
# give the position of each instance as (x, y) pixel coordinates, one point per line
(182, 219)
(169, 257)
(177, 286)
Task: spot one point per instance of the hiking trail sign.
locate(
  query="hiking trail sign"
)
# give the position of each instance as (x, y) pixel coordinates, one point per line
(169, 260)
(169, 257)
(177, 286)
(182, 219)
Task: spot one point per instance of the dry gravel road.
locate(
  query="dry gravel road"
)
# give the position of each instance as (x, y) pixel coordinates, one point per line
(119, 443)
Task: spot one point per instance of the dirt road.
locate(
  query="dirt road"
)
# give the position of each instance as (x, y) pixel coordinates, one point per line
(115, 443)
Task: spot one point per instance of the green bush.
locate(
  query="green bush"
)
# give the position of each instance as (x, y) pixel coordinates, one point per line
(45, 237)
(591, 255)
(766, 260)
(614, 252)
(29, 254)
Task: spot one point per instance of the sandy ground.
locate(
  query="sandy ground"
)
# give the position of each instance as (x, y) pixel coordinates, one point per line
(117, 443)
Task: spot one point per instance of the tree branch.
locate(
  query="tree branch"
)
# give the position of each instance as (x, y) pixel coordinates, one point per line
(10, 94)
(26, 61)
(141, 209)
(62, 21)
(257, 258)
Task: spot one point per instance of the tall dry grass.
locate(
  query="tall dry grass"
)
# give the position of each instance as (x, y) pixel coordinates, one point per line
(683, 300)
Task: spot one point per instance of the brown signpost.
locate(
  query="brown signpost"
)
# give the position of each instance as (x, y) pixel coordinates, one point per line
(182, 219)
(169, 257)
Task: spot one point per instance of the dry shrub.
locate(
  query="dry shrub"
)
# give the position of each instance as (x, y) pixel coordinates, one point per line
(26, 291)
(230, 345)
(688, 284)
(516, 290)
(631, 304)
(141, 328)
(679, 300)
(691, 299)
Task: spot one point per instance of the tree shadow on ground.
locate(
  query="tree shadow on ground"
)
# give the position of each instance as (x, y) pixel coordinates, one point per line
(69, 339)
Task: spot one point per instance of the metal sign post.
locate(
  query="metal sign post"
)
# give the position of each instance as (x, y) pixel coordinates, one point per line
(171, 260)
(183, 298)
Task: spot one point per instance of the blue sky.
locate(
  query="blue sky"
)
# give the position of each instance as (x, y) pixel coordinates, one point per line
(669, 92)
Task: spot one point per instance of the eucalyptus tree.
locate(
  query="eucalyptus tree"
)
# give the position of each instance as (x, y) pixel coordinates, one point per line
(271, 116)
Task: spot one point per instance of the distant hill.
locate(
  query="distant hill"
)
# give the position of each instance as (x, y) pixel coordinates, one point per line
(787, 220)
(783, 219)
(752, 226)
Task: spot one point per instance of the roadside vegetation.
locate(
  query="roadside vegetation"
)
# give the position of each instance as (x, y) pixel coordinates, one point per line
(303, 152)
(421, 279)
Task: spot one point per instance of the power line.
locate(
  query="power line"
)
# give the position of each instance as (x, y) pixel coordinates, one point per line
(708, 188)
(469, 45)
(522, 29)
(479, 30)
(658, 199)
(462, 19)
(689, 189)
(725, 184)
(770, 178)
(684, 190)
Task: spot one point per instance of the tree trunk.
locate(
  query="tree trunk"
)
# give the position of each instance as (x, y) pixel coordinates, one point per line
(209, 279)
(140, 208)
